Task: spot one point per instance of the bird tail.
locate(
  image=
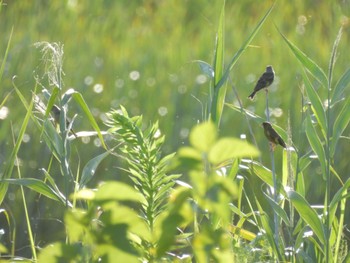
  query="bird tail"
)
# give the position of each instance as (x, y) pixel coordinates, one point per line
(282, 143)
(251, 96)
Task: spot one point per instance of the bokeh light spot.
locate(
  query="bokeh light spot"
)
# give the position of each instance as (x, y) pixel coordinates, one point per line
(163, 111)
(4, 112)
(98, 88)
(134, 75)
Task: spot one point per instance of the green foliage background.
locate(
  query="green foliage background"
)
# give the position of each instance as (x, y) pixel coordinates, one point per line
(108, 42)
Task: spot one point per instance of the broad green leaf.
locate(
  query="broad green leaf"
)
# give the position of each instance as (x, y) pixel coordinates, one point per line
(60, 252)
(168, 232)
(229, 148)
(315, 143)
(308, 214)
(341, 85)
(307, 62)
(118, 191)
(36, 185)
(90, 169)
(203, 136)
(340, 124)
(316, 103)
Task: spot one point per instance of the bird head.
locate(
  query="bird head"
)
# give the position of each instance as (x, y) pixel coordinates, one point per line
(269, 68)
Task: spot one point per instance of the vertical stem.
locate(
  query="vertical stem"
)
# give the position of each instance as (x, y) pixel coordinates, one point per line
(275, 188)
(328, 176)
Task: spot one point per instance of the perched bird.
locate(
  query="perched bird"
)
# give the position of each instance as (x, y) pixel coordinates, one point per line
(56, 112)
(272, 136)
(264, 81)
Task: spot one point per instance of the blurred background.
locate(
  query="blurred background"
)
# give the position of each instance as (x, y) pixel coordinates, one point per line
(141, 54)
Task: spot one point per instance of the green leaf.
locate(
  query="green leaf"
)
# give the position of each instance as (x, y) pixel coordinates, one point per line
(203, 136)
(118, 191)
(229, 148)
(308, 214)
(315, 143)
(2, 68)
(337, 198)
(90, 169)
(316, 103)
(340, 124)
(266, 175)
(36, 185)
(9, 168)
(218, 100)
(219, 93)
(80, 100)
(279, 211)
(308, 63)
(338, 91)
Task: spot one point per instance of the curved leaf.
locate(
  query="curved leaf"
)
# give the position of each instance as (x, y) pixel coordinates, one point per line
(307, 62)
(36, 185)
(90, 169)
(229, 148)
(308, 214)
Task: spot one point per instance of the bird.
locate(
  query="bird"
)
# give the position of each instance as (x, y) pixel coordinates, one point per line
(56, 112)
(264, 81)
(272, 136)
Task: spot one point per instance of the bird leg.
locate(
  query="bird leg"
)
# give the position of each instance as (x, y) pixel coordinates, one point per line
(272, 146)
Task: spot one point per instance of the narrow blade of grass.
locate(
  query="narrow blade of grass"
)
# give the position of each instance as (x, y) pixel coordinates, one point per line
(308, 214)
(339, 88)
(8, 171)
(2, 68)
(218, 102)
(36, 185)
(80, 100)
(315, 143)
(316, 103)
(340, 124)
(307, 62)
(219, 93)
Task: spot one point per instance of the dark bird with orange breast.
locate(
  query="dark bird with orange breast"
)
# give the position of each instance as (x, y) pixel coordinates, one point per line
(264, 81)
(272, 136)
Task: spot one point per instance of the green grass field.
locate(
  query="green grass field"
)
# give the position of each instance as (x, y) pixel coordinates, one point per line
(144, 56)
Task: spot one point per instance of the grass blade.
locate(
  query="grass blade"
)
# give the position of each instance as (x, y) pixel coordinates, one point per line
(8, 171)
(307, 62)
(219, 93)
(80, 100)
(233, 61)
(340, 87)
(36, 185)
(340, 124)
(308, 214)
(315, 143)
(316, 103)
